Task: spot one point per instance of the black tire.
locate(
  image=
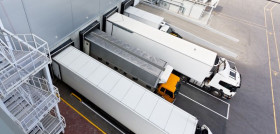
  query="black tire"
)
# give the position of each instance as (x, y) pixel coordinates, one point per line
(207, 89)
(185, 79)
(216, 93)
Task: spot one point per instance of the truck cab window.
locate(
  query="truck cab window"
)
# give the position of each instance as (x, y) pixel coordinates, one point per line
(170, 94)
(228, 86)
(162, 89)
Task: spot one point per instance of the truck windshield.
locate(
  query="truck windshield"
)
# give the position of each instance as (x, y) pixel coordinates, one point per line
(228, 86)
(217, 60)
(170, 94)
(232, 74)
(178, 86)
(232, 65)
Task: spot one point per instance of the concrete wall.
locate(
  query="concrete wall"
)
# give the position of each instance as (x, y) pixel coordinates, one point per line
(7, 125)
(52, 20)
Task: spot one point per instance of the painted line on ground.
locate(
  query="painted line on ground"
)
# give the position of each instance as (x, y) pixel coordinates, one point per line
(193, 22)
(275, 39)
(207, 93)
(226, 117)
(82, 115)
(270, 73)
(76, 96)
(102, 117)
(241, 20)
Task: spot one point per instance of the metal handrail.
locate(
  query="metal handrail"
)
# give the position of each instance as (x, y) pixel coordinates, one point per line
(21, 42)
(62, 122)
(3, 51)
(35, 112)
(23, 67)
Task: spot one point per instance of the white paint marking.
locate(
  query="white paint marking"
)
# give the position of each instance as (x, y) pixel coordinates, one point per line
(102, 117)
(228, 111)
(208, 93)
(204, 106)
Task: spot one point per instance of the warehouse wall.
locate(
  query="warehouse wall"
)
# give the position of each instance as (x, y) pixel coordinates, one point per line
(7, 125)
(52, 20)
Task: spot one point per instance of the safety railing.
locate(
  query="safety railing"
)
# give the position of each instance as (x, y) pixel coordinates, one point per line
(211, 3)
(31, 101)
(48, 100)
(53, 123)
(24, 55)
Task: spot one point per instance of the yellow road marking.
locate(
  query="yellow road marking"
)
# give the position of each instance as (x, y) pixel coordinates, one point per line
(270, 72)
(275, 72)
(76, 97)
(275, 40)
(82, 115)
(265, 24)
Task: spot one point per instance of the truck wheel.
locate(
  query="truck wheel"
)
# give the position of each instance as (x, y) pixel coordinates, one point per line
(216, 93)
(185, 79)
(207, 89)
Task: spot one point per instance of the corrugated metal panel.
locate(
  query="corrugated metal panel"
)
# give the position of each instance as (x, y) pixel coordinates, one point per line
(137, 102)
(131, 60)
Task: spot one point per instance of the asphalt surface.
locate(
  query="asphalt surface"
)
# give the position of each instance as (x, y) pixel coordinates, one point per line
(207, 100)
(75, 123)
(213, 120)
(255, 109)
(256, 24)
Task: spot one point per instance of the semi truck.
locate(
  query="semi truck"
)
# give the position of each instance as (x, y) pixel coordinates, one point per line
(152, 72)
(132, 105)
(150, 19)
(199, 66)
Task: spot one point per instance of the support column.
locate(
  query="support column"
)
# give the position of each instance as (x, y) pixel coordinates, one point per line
(5, 35)
(50, 84)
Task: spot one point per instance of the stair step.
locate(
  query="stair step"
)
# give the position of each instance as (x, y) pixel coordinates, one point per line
(9, 98)
(14, 103)
(46, 119)
(24, 113)
(35, 130)
(20, 108)
(49, 120)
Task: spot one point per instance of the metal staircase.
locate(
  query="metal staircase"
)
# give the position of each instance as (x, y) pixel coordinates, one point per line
(30, 101)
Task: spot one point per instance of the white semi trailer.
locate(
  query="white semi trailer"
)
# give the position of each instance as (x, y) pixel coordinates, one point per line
(153, 72)
(201, 66)
(137, 108)
(149, 19)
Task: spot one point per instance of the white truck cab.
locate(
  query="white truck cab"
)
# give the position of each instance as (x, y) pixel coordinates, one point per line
(194, 64)
(225, 79)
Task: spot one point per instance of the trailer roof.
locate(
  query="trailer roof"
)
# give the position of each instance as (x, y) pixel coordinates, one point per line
(136, 56)
(160, 113)
(143, 14)
(187, 48)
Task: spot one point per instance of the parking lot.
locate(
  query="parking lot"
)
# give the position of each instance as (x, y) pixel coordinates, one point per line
(256, 106)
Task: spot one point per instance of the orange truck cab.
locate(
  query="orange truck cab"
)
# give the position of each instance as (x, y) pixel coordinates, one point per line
(170, 89)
